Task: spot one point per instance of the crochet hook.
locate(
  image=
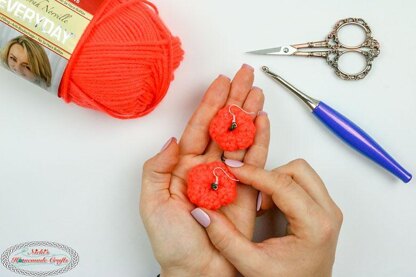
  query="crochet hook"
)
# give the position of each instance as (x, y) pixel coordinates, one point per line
(346, 130)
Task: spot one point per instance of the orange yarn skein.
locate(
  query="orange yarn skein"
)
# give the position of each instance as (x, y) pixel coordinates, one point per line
(124, 62)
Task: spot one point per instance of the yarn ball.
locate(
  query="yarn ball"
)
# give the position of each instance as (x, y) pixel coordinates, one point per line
(239, 138)
(200, 186)
(124, 61)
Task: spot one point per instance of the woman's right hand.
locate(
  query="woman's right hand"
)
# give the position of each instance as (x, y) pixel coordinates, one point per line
(314, 222)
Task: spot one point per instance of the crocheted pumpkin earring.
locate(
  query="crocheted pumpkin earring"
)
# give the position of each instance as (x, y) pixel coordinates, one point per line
(232, 128)
(211, 185)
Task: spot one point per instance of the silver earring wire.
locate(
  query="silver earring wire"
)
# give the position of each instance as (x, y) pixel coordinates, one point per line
(234, 123)
(216, 176)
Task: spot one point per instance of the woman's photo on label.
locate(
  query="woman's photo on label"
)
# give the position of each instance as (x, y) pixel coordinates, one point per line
(27, 58)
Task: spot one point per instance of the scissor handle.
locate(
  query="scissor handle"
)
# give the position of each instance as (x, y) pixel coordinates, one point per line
(369, 48)
(334, 41)
(333, 57)
(312, 44)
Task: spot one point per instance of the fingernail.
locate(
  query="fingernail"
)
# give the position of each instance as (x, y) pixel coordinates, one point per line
(233, 163)
(223, 76)
(201, 217)
(256, 88)
(167, 144)
(260, 113)
(248, 67)
(259, 201)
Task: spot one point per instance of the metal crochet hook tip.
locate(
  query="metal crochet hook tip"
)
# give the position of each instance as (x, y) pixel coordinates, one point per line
(309, 101)
(265, 69)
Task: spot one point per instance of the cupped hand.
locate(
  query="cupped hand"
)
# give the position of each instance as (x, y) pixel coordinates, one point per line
(180, 244)
(314, 222)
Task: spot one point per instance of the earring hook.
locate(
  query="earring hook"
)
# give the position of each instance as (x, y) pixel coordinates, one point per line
(214, 185)
(234, 122)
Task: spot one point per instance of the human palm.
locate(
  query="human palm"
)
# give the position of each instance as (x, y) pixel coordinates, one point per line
(180, 244)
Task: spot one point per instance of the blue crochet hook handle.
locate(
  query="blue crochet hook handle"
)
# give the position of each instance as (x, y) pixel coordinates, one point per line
(347, 130)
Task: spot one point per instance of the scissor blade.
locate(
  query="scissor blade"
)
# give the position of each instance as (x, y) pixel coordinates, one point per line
(282, 50)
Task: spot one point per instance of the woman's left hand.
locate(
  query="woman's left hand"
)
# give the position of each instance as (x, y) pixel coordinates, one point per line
(180, 244)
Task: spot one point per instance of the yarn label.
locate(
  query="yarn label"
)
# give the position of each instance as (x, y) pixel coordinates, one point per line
(38, 37)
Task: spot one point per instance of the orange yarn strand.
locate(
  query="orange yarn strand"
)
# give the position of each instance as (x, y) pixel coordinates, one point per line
(124, 62)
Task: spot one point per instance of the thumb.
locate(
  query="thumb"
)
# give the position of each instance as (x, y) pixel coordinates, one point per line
(157, 171)
(231, 243)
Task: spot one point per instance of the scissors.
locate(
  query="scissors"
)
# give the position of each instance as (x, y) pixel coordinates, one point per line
(369, 48)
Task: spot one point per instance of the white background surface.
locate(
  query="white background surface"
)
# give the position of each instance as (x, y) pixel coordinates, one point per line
(72, 175)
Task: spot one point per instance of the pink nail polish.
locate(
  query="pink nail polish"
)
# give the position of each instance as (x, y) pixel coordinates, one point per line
(167, 144)
(259, 201)
(248, 67)
(260, 113)
(201, 217)
(233, 163)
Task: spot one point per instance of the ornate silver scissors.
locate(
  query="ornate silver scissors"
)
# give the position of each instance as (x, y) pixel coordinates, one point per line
(369, 48)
